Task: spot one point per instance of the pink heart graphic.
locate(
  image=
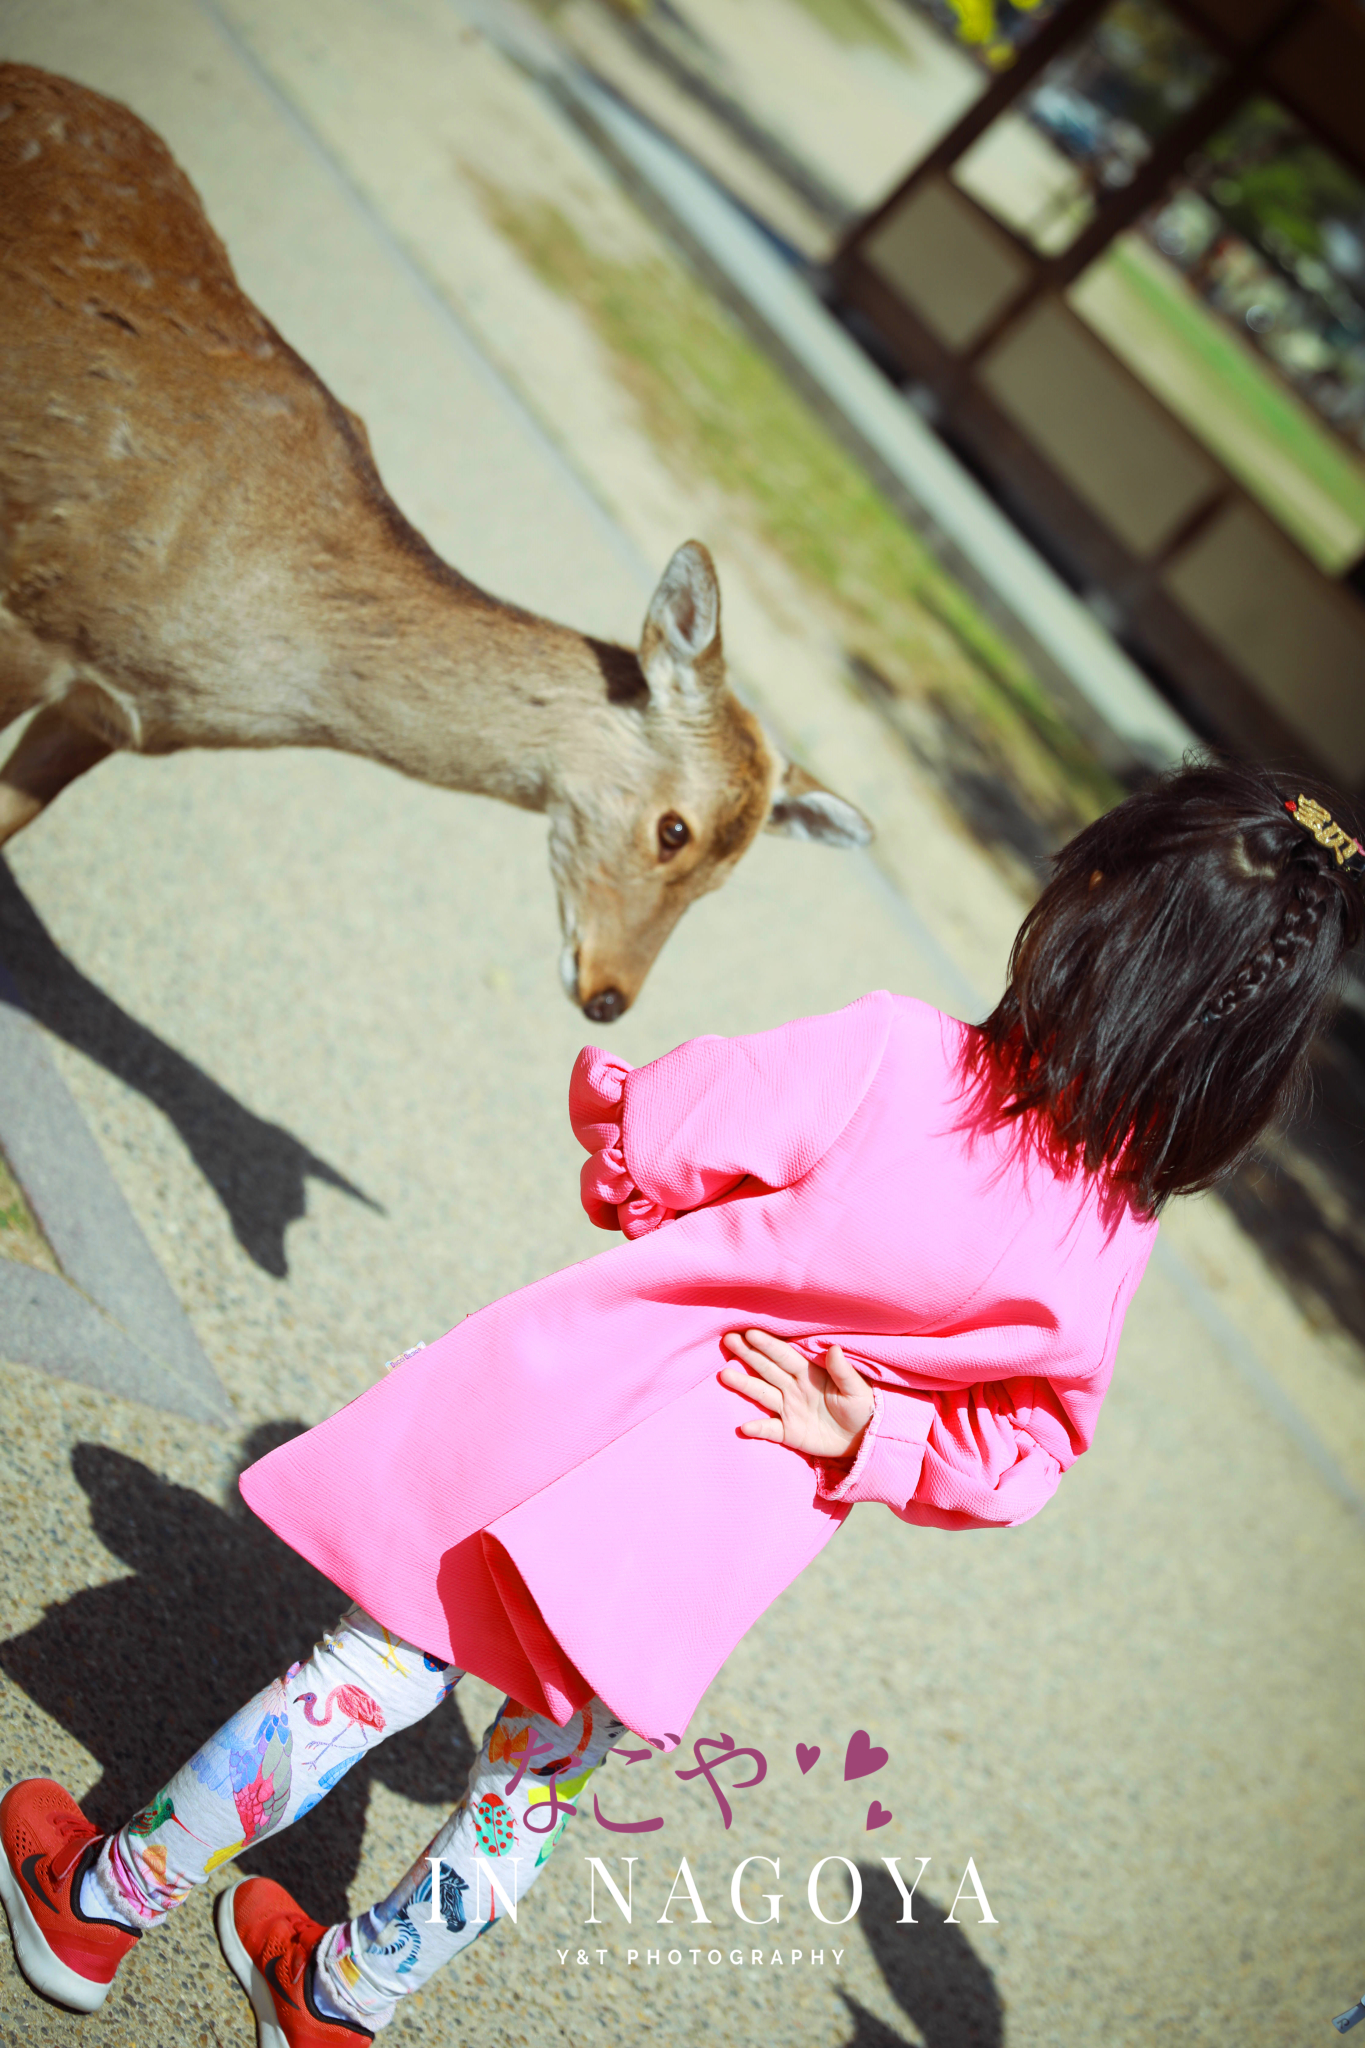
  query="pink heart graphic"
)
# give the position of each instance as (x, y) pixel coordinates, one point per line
(862, 1759)
(877, 1815)
(807, 1753)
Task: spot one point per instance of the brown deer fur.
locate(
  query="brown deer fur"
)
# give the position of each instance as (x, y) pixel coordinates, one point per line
(196, 550)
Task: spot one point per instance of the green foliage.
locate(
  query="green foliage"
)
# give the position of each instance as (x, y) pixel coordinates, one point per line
(986, 24)
(1275, 185)
(1145, 64)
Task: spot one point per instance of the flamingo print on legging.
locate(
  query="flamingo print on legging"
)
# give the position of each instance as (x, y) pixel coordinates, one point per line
(358, 1710)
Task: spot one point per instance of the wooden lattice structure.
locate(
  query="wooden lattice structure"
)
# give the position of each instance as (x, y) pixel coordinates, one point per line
(1251, 637)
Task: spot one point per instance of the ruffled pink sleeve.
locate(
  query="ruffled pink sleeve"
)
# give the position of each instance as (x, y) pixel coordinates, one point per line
(675, 1135)
(610, 1196)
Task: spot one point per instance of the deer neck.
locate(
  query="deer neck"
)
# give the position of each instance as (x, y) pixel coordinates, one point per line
(438, 680)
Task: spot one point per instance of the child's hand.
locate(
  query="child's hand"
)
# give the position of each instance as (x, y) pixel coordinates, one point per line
(819, 1409)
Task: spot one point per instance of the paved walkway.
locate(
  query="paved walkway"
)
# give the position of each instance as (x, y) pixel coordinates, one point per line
(1129, 723)
(323, 1051)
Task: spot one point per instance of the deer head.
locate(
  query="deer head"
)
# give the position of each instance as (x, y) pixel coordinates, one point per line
(695, 780)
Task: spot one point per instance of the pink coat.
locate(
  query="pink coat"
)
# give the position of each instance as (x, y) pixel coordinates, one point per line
(555, 1494)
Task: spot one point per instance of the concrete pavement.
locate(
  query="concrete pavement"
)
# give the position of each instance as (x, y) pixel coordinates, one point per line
(324, 1057)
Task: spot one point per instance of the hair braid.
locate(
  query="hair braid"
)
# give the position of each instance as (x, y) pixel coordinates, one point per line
(1311, 890)
(1164, 989)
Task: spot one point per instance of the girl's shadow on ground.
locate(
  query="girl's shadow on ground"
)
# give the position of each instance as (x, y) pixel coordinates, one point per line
(141, 1670)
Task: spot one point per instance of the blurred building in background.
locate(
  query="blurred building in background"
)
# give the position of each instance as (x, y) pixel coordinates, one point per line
(1128, 284)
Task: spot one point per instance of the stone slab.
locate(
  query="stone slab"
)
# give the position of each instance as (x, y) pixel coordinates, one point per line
(124, 1330)
(47, 1323)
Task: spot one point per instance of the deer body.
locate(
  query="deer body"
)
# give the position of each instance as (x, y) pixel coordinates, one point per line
(196, 549)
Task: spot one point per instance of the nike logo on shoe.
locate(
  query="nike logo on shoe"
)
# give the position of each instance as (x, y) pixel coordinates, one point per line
(271, 1973)
(28, 1871)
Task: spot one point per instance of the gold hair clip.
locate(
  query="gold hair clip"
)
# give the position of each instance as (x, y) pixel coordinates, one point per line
(1348, 850)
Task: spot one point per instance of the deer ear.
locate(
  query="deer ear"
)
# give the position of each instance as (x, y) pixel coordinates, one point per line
(803, 809)
(681, 639)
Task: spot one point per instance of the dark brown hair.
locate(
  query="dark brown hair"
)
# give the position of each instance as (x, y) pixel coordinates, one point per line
(1165, 987)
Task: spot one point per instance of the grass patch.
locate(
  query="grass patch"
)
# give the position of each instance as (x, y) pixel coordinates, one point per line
(716, 407)
(20, 1237)
(1269, 412)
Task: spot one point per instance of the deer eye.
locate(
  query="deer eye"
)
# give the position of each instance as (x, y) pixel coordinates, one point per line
(674, 833)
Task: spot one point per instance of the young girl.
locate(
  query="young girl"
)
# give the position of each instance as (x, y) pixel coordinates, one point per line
(928, 1234)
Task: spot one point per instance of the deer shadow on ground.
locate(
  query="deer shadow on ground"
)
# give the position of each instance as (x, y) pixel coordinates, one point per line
(257, 1170)
(141, 1670)
(931, 1970)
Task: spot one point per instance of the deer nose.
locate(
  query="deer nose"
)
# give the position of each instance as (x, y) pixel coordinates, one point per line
(606, 1006)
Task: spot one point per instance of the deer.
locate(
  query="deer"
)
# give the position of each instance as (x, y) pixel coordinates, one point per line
(197, 550)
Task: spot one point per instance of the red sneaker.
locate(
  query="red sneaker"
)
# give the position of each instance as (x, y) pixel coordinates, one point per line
(48, 1846)
(269, 1943)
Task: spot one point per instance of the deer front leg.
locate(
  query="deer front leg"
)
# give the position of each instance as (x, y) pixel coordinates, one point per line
(53, 751)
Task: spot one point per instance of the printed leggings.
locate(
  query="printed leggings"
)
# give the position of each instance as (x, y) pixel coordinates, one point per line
(282, 1753)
